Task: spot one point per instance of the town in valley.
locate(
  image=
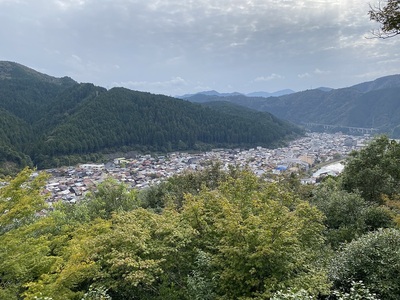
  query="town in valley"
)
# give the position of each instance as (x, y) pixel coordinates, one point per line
(70, 183)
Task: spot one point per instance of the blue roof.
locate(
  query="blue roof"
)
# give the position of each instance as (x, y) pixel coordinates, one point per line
(281, 168)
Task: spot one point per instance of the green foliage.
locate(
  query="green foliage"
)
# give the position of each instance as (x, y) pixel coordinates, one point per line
(14, 133)
(109, 197)
(24, 246)
(374, 171)
(23, 258)
(358, 291)
(143, 256)
(42, 298)
(20, 200)
(348, 215)
(389, 18)
(299, 295)
(217, 235)
(71, 247)
(44, 256)
(374, 259)
(99, 293)
(260, 238)
(278, 127)
(120, 117)
(172, 191)
(200, 285)
(378, 217)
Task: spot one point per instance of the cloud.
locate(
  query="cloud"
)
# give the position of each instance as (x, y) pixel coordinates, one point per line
(316, 72)
(219, 43)
(66, 4)
(76, 58)
(320, 72)
(304, 75)
(273, 76)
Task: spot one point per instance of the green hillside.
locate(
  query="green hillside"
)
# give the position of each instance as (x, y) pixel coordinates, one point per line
(121, 118)
(277, 127)
(15, 134)
(27, 93)
(372, 104)
(53, 121)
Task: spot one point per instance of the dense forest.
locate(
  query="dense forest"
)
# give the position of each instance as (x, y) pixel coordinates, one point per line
(49, 122)
(210, 234)
(369, 105)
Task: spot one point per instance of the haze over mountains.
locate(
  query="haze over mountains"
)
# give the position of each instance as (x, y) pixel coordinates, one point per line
(47, 121)
(253, 94)
(374, 104)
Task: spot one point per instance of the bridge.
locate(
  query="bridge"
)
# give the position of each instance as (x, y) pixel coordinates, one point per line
(350, 129)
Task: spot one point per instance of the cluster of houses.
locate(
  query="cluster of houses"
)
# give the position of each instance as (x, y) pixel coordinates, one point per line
(72, 183)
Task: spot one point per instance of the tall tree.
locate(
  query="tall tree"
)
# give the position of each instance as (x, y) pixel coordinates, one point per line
(260, 238)
(375, 170)
(348, 215)
(21, 199)
(374, 258)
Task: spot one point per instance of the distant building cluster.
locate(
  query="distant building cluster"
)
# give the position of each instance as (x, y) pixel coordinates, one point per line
(71, 183)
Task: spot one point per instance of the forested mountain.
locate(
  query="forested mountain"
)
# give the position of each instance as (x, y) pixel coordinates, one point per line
(26, 93)
(46, 120)
(372, 104)
(278, 126)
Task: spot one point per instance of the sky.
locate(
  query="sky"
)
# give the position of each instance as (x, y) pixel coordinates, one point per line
(175, 47)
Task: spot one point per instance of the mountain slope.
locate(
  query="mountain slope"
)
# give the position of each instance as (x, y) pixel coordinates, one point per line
(372, 104)
(48, 120)
(277, 127)
(27, 93)
(124, 118)
(391, 81)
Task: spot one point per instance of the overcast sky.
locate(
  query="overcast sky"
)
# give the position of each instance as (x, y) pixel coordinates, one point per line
(175, 47)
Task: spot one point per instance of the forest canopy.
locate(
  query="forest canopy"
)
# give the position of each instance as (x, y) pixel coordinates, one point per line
(210, 234)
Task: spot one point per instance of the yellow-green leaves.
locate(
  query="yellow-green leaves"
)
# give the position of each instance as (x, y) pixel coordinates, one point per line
(260, 238)
(73, 268)
(20, 199)
(140, 249)
(242, 238)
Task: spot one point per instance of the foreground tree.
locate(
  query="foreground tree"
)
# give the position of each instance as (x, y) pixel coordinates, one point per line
(260, 238)
(348, 215)
(373, 259)
(374, 171)
(108, 198)
(358, 291)
(172, 191)
(21, 199)
(388, 16)
(22, 247)
(237, 238)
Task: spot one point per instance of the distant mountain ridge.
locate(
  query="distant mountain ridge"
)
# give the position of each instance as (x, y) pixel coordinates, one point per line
(47, 121)
(253, 94)
(274, 94)
(391, 81)
(374, 104)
